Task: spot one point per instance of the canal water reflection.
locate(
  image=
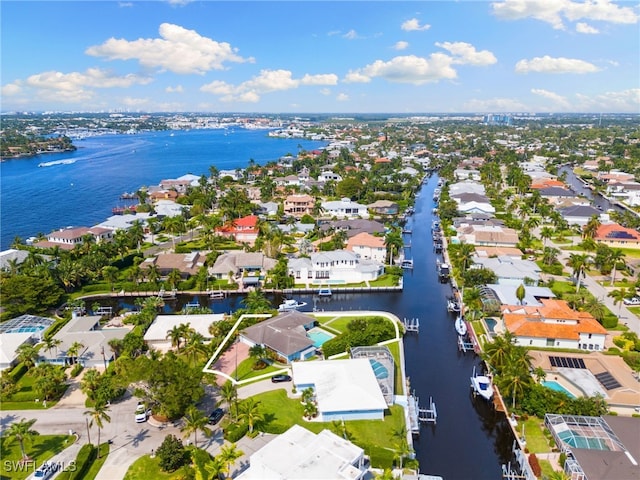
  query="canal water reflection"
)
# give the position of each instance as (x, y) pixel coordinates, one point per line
(470, 439)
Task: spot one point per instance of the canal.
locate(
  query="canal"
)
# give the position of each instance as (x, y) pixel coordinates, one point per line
(574, 183)
(470, 440)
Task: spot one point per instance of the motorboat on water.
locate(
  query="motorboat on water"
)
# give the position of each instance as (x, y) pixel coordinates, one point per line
(453, 305)
(461, 326)
(290, 305)
(481, 385)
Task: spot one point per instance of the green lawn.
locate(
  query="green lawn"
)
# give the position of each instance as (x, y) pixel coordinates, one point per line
(340, 323)
(376, 437)
(385, 281)
(398, 387)
(25, 397)
(245, 370)
(98, 462)
(146, 467)
(42, 448)
(534, 434)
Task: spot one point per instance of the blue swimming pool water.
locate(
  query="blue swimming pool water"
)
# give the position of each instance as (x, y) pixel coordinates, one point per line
(318, 337)
(379, 369)
(491, 323)
(557, 387)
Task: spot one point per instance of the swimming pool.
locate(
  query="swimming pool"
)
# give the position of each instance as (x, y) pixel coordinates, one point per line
(379, 369)
(557, 387)
(491, 324)
(318, 337)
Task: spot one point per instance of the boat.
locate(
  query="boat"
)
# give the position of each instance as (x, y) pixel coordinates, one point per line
(68, 161)
(481, 385)
(461, 326)
(290, 305)
(407, 264)
(453, 305)
(324, 292)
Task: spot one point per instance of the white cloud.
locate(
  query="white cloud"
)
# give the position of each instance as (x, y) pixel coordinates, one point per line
(356, 77)
(135, 102)
(11, 89)
(267, 81)
(342, 97)
(465, 53)
(351, 35)
(324, 79)
(325, 91)
(560, 102)
(548, 64)
(553, 11)
(582, 27)
(408, 69)
(414, 25)
(401, 45)
(176, 89)
(622, 101)
(93, 77)
(178, 50)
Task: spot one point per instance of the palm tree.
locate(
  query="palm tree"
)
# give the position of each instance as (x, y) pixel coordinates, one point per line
(22, 432)
(545, 234)
(256, 302)
(579, 263)
(27, 354)
(615, 255)
(194, 347)
(393, 242)
(175, 335)
(74, 350)
(498, 352)
(514, 381)
(595, 307)
(195, 420)
(90, 383)
(618, 297)
(258, 352)
(50, 343)
(229, 395)
(591, 228)
(403, 448)
(98, 414)
(250, 411)
(464, 254)
(228, 455)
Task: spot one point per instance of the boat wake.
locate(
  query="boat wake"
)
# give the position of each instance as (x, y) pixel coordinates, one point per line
(67, 161)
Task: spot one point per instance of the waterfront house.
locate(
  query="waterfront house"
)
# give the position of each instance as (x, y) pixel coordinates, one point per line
(284, 334)
(556, 194)
(466, 186)
(157, 335)
(337, 266)
(344, 208)
(250, 266)
(553, 325)
(510, 270)
(344, 389)
(473, 203)
(187, 264)
(11, 257)
(617, 236)
(303, 455)
(299, 205)
(467, 174)
(383, 207)
(68, 238)
(329, 176)
(367, 246)
(9, 346)
(243, 229)
(87, 331)
(488, 235)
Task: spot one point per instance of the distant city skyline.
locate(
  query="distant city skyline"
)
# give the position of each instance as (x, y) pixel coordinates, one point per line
(503, 56)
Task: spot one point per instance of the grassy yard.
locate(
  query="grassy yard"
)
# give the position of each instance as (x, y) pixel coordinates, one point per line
(245, 370)
(146, 467)
(25, 397)
(42, 448)
(385, 281)
(394, 348)
(537, 442)
(376, 437)
(98, 462)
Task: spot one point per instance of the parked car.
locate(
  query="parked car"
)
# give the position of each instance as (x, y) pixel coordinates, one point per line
(142, 413)
(46, 470)
(280, 378)
(216, 416)
(632, 301)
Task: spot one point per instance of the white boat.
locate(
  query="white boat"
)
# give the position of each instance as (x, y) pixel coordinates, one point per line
(324, 292)
(461, 326)
(68, 161)
(453, 305)
(290, 305)
(481, 385)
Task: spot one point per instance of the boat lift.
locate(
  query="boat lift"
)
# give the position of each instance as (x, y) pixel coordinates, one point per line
(465, 344)
(428, 415)
(411, 325)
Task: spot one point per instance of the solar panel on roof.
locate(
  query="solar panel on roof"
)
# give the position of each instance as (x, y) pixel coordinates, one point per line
(567, 362)
(607, 380)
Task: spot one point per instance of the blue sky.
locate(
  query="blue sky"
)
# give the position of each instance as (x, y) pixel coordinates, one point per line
(325, 57)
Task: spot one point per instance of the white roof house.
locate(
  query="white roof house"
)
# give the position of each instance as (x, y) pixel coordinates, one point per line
(510, 270)
(344, 389)
(156, 335)
(303, 455)
(336, 266)
(345, 208)
(9, 344)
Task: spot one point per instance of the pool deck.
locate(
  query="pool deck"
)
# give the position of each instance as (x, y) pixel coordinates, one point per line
(623, 399)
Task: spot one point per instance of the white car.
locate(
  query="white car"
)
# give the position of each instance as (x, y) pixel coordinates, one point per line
(46, 470)
(632, 301)
(142, 413)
